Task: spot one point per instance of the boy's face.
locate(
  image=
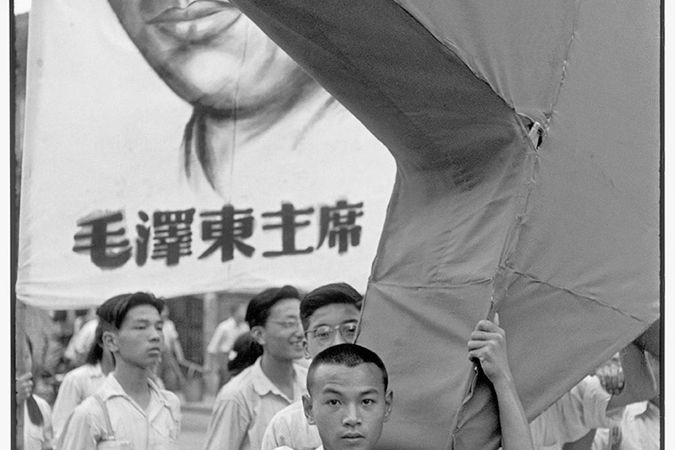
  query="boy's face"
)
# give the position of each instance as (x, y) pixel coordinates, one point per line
(348, 405)
(281, 335)
(321, 332)
(139, 338)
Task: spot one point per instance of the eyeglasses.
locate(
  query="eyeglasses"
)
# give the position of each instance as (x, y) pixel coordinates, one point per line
(325, 333)
(287, 324)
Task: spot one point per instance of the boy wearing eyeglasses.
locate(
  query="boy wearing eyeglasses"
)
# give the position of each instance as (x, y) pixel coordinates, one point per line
(330, 316)
(246, 404)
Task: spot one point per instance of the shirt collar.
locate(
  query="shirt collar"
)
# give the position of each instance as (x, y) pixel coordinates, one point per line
(646, 408)
(112, 388)
(263, 385)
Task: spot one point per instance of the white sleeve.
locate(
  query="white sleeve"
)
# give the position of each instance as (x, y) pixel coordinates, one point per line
(214, 343)
(67, 399)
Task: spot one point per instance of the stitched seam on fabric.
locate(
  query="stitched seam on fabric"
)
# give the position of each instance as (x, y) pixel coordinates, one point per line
(570, 291)
(438, 286)
(563, 74)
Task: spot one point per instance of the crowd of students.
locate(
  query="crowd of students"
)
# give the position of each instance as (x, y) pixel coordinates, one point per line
(298, 381)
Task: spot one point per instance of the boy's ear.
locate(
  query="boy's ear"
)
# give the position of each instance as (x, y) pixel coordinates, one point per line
(307, 407)
(388, 403)
(109, 339)
(258, 335)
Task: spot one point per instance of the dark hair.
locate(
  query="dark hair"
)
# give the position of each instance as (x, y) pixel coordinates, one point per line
(247, 350)
(95, 353)
(60, 315)
(348, 355)
(258, 310)
(327, 295)
(113, 311)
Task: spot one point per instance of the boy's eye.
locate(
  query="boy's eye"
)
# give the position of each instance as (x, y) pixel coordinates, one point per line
(333, 402)
(368, 401)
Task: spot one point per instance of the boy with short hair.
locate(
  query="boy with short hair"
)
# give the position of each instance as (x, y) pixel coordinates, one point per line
(347, 397)
(330, 316)
(129, 408)
(245, 405)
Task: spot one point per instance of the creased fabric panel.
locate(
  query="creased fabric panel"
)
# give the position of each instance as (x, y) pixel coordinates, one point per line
(564, 237)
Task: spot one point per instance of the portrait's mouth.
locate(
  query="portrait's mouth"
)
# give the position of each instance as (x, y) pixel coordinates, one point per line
(199, 21)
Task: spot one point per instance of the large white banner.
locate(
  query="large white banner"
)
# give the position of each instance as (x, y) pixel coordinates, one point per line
(179, 150)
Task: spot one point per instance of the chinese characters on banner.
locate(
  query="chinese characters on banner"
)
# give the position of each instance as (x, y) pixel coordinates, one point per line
(168, 235)
(178, 180)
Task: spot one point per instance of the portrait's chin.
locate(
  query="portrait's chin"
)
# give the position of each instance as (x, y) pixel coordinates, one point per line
(207, 78)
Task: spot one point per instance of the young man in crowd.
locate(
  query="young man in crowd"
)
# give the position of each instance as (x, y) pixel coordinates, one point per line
(640, 425)
(335, 307)
(82, 381)
(129, 409)
(245, 405)
(589, 405)
(330, 316)
(347, 397)
(222, 341)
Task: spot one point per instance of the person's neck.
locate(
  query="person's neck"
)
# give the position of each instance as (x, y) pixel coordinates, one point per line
(134, 381)
(280, 372)
(107, 364)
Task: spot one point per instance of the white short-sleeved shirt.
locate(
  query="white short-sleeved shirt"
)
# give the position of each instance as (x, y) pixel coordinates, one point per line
(244, 407)
(77, 385)
(79, 344)
(224, 336)
(576, 413)
(169, 332)
(155, 428)
(289, 427)
(640, 429)
(38, 437)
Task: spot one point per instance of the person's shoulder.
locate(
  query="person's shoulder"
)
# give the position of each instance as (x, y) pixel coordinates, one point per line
(87, 409)
(83, 371)
(289, 414)
(227, 323)
(171, 398)
(238, 385)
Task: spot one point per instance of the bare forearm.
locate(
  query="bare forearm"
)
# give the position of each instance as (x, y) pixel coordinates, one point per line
(514, 427)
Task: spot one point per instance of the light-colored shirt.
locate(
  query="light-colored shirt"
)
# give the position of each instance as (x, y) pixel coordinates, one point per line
(244, 407)
(570, 418)
(170, 333)
(289, 427)
(77, 385)
(79, 344)
(155, 428)
(38, 437)
(224, 336)
(639, 429)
